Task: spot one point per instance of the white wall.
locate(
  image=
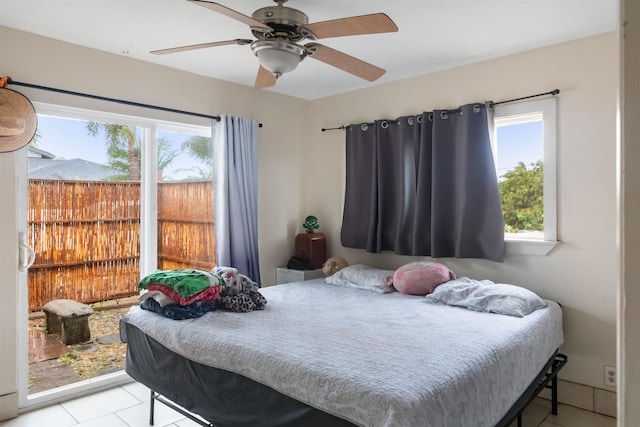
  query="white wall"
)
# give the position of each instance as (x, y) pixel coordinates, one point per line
(629, 315)
(9, 291)
(582, 272)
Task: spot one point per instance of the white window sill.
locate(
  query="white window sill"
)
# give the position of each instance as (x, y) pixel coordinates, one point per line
(529, 247)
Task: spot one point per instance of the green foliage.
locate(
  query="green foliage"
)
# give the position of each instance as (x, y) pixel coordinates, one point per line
(311, 224)
(199, 148)
(165, 156)
(123, 150)
(521, 192)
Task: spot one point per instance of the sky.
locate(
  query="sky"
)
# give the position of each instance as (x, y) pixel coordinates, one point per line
(69, 139)
(521, 142)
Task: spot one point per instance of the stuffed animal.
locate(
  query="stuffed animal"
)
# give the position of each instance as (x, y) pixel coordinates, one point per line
(333, 265)
(420, 278)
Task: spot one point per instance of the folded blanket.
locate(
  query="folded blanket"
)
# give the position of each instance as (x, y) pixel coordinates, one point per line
(162, 298)
(179, 312)
(209, 294)
(186, 282)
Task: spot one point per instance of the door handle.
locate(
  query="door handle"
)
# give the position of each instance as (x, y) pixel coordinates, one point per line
(27, 254)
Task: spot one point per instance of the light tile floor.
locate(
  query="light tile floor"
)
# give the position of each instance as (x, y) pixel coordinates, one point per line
(128, 406)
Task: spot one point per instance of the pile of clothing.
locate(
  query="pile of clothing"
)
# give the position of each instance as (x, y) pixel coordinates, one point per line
(186, 294)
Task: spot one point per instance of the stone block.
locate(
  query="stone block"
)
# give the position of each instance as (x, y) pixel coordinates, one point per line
(70, 318)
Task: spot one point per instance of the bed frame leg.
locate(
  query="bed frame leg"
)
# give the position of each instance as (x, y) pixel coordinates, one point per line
(151, 406)
(554, 395)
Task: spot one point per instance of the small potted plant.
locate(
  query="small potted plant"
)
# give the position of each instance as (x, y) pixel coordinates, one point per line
(311, 224)
(311, 247)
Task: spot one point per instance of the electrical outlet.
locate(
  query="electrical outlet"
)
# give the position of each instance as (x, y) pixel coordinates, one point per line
(610, 378)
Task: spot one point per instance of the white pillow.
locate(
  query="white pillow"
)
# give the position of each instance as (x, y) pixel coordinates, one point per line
(362, 277)
(484, 295)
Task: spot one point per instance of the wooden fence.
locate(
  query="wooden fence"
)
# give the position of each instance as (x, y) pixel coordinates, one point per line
(86, 235)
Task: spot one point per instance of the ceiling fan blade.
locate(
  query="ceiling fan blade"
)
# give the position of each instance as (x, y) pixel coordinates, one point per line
(345, 62)
(352, 26)
(264, 78)
(254, 24)
(200, 46)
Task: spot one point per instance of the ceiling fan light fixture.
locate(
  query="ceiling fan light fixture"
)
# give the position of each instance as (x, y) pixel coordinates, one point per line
(278, 56)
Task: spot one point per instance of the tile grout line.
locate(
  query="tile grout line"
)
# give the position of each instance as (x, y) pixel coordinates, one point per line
(116, 412)
(65, 410)
(133, 395)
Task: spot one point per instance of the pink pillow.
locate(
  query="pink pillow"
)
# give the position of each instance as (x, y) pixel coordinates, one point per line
(420, 277)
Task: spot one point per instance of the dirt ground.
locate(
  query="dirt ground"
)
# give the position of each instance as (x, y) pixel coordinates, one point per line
(104, 353)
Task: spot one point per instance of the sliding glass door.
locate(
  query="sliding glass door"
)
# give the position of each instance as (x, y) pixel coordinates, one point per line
(109, 199)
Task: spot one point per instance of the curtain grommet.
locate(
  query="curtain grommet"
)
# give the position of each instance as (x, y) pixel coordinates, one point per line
(430, 117)
(419, 120)
(410, 121)
(364, 127)
(444, 115)
(476, 108)
(384, 124)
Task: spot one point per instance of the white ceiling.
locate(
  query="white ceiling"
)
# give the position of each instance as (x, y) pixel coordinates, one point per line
(433, 34)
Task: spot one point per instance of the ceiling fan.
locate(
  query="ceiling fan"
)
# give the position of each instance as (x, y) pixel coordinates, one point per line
(278, 29)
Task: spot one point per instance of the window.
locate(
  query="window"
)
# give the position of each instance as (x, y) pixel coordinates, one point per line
(524, 147)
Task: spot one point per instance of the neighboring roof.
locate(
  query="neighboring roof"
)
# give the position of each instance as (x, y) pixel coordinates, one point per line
(73, 169)
(37, 152)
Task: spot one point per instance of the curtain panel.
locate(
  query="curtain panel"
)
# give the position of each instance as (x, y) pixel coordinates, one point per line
(424, 185)
(235, 198)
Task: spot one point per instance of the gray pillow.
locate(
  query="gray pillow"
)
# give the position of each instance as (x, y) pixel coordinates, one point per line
(484, 295)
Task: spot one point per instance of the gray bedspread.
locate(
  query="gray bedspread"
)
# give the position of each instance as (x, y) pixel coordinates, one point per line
(373, 359)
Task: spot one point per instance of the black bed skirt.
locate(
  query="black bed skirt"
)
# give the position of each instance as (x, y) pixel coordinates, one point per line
(223, 398)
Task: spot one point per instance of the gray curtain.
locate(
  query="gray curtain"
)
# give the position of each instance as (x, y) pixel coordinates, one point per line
(424, 185)
(235, 198)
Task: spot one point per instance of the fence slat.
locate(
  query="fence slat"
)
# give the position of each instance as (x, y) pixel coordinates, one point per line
(86, 235)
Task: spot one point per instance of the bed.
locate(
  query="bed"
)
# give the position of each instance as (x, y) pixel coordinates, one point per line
(326, 355)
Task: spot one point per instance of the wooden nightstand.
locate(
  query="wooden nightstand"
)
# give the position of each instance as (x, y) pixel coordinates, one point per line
(287, 275)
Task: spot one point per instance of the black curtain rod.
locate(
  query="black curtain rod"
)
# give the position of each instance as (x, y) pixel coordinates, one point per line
(338, 128)
(552, 92)
(490, 103)
(119, 101)
(103, 98)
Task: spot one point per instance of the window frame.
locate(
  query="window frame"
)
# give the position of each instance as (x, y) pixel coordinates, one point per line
(509, 114)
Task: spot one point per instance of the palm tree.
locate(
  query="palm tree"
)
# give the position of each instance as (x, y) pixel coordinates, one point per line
(122, 144)
(165, 156)
(123, 150)
(199, 148)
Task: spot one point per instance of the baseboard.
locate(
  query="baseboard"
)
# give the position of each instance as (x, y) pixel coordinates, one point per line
(8, 406)
(585, 397)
